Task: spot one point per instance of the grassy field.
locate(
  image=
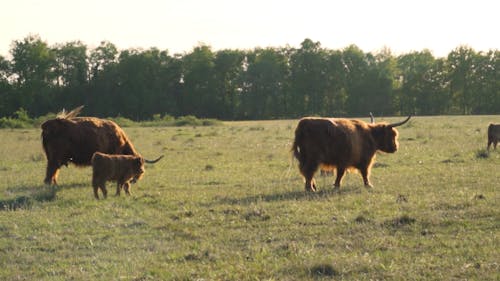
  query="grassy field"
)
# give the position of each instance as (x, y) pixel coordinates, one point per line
(227, 203)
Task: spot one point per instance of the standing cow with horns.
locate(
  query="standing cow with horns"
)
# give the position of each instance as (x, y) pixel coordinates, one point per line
(71, 139)
(341, 144)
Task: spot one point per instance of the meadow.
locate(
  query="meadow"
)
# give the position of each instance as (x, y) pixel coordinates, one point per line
(228, 203)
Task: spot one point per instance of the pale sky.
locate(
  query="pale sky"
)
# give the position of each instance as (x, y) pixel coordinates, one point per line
(180, 25)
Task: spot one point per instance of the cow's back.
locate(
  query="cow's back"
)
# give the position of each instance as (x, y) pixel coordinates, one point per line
(99, 135)
(112, 167)
(494, 131)
(327, 141)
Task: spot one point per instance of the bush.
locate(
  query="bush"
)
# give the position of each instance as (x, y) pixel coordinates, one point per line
(21, 120)
(123, 122)
(188, 120)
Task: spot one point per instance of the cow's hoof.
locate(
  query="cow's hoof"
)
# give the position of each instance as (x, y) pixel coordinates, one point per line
(310, 189)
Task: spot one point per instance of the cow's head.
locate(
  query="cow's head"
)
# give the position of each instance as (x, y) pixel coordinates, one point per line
(61, 126)
(56, 128)
(386, 135)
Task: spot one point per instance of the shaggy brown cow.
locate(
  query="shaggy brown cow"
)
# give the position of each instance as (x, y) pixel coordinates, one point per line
(493, 135)
(70, 139)
(341, 144)
(120, 168)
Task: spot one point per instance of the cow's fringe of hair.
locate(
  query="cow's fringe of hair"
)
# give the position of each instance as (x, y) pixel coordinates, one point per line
(67, 115)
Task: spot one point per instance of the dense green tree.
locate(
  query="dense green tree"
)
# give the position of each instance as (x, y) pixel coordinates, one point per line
(33, 64)
(228, 70)
(379, 84)
(461, 70)
(485, 86)
(335, 96)
(423, 84)
(308, 77)
(356, 70)
(101, 57)
(170, 78)
(139, 82)
(71, 74)
(265, 82)
(6, 89)
(103, 86)
(199, 96)
(252, 84)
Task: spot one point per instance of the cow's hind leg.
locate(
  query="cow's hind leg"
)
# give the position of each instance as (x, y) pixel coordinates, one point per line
(51, 173)
(340, 174)
(96, 184)
(307, 170)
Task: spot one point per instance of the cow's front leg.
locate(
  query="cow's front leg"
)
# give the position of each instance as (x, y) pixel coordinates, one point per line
(365, 173)
(104, 191)
(51, 172)
(308, 171)
(126, 187)
(118, 188)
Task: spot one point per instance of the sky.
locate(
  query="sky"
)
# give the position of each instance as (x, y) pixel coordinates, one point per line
(179, 26)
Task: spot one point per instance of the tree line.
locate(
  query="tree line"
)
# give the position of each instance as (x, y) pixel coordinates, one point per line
(263, 83)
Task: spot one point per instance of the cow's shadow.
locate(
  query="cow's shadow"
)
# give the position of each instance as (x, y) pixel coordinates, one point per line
(32, 194)
(299, 195)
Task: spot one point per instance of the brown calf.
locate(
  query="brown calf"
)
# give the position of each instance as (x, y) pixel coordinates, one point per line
(120, 168)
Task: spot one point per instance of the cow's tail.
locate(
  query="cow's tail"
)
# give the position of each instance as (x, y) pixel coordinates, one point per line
(296, 149)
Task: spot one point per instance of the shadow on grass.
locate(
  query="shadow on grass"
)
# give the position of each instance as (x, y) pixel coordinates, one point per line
(323, 271)
(36, 194)
(298, 195)
(42, 193)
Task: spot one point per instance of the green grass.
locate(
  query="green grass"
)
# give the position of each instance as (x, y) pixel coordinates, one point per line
(227, 203)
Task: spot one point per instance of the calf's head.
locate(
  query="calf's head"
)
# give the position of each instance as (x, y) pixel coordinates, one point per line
(138, 169)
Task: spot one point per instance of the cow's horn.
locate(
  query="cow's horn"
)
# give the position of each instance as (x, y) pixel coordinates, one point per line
(400, 123)
(68, 115)
(372, 119)
(153, 161)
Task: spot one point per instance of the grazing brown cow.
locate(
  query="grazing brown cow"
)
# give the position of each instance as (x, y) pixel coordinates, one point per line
(123, 169)
(70, 139)
(493, 135)
(341, 144)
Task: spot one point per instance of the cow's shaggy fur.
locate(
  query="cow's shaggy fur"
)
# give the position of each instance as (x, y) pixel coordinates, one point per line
(341, 144)
(70, 139)
(493, 135)
(123, 169)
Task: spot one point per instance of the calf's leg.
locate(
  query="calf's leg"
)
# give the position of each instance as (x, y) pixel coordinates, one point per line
(126, 186)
